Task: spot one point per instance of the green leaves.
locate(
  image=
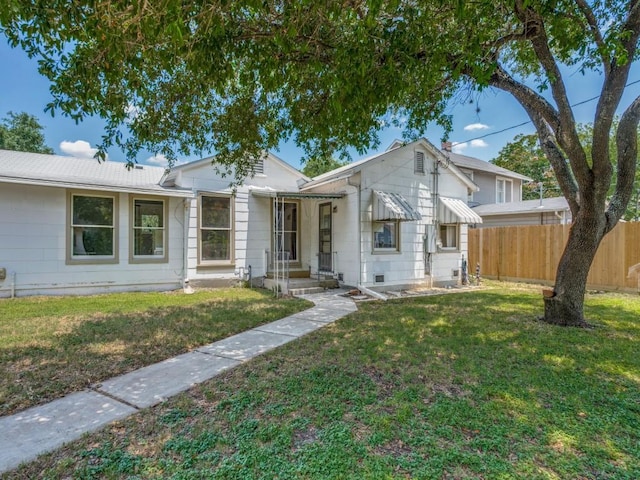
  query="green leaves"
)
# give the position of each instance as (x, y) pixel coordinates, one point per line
(22, 132)
(239, 77)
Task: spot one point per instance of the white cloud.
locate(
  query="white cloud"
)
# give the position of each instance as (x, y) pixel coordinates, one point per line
(479, 143)
(476, 126)
(459, 147)
(159, 160)
(78, 149)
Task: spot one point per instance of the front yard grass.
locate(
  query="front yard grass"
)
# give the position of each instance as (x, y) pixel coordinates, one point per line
(51, 346)
(463, 386)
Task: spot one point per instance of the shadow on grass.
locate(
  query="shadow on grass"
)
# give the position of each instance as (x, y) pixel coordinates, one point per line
(459, 386)
(100, 346)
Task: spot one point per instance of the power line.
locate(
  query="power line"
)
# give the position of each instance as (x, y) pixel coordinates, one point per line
(453, 144)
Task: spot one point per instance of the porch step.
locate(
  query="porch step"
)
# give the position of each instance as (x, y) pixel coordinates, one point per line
(293, 274)
(305, 291)
(303, 286)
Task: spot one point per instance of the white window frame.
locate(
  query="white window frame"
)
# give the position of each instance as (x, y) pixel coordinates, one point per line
(230, 228)
(157, 256)
(83, 259)
(393, 249)
(444, 243)
(470, 192)
(507, 186)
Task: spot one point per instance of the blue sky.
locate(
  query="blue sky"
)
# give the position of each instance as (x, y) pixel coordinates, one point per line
(24, 89)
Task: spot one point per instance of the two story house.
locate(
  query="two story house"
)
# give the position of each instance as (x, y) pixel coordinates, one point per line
(499, 198)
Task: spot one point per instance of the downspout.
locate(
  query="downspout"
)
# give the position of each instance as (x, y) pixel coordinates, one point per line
(436, 175)
(359, 241)
(186, 288)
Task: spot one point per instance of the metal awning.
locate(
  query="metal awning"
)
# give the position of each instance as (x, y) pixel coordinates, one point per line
(393, 206)
(453, 210)
(295, 195)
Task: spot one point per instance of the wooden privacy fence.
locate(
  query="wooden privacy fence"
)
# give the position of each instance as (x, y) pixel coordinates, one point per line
(531, 254)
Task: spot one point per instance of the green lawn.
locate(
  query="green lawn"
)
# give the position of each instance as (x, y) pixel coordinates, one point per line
(51, 346)
(462, 386)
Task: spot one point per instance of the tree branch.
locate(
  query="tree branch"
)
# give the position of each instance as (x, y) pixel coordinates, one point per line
(558, 162)
(565, 131)
(627, 143)
(546, 121)
(613, 87)
(595, 30)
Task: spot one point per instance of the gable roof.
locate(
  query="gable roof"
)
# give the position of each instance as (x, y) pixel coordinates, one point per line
(69, 172)
(554, 204)
(463, 161)
(170, 176)
(352, 168)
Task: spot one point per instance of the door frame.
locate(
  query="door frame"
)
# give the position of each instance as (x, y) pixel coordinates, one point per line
(325, 259)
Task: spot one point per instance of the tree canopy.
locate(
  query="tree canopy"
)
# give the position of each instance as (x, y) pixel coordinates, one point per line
(236, 78)
(22, 132)
(318, 165)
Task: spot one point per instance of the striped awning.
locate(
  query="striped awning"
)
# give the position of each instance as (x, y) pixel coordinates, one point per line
(393, 206)
(453, 210)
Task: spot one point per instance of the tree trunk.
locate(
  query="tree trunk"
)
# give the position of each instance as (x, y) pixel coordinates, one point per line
(566, 306)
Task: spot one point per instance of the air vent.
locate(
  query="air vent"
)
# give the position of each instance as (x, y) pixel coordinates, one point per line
(379, 278)
(456, 273)
(419, 163)
(258, 166)
(139, 167)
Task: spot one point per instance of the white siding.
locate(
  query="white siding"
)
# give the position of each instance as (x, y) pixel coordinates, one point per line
(252, 219)
(33, 226)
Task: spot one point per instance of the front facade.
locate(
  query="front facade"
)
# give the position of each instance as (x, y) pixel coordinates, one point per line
(403, 219)
(71, 226)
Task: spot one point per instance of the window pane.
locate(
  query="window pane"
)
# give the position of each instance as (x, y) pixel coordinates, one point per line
(149, 213)
(216, 212)
(148, 242)
(287, 215)
(92, 211)
(449, 236)
(385, 235)
(216, 245)
(92, 241)
(288, 242)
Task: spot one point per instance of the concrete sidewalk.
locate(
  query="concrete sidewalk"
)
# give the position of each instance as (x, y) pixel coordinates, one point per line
(41, 429)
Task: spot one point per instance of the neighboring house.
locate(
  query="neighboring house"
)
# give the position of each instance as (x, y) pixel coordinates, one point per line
(499, 200)
(496, 184)
(529, 212)
(72, 226)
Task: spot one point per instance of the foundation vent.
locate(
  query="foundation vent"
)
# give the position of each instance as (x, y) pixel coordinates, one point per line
(379, 278)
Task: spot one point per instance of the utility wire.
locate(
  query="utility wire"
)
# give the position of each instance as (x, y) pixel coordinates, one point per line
(453, 144)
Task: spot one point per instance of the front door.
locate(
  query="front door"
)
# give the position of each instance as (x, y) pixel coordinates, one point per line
(324, 260)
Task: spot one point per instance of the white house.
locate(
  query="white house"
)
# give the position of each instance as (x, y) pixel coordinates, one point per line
(72, 226)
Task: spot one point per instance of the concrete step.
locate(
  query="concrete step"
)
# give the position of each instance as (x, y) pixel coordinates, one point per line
(305, 291)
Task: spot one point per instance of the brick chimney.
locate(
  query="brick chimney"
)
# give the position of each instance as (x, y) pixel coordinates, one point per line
(446, 146)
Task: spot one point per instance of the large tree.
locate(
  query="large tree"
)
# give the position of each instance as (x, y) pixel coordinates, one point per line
(238, 77)
(22, 132)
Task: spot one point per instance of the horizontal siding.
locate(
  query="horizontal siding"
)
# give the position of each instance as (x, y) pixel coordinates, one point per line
(33, 246)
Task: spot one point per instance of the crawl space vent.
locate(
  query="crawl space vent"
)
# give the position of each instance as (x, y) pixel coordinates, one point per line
(379, 278)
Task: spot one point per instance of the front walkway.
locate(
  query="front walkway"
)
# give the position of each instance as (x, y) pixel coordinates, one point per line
(41, 429)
